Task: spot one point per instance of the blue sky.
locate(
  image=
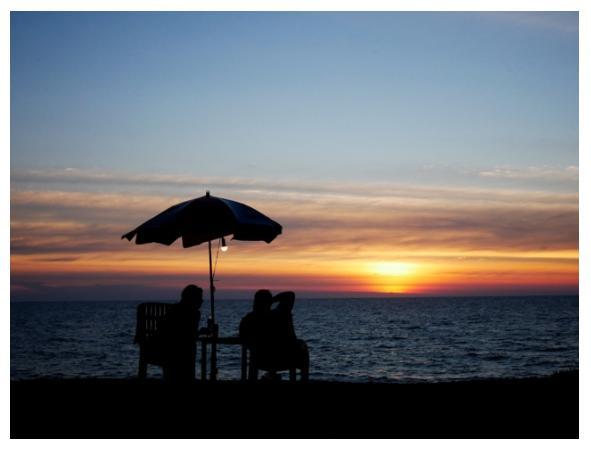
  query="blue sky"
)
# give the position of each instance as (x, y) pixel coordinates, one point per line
(366, 96)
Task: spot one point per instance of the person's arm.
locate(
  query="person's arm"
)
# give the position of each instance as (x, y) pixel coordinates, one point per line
(200, 330)
(286, 300)
(275, 299)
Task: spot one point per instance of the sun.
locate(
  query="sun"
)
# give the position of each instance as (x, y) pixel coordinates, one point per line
(392, 277)
(392, 268)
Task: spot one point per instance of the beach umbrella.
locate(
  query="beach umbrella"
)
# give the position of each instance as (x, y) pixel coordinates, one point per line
(202, 220)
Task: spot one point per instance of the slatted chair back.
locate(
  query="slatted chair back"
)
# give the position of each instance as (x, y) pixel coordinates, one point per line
(149, 320)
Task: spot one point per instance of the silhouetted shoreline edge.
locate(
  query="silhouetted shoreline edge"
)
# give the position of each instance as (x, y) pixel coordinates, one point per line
(531, 407)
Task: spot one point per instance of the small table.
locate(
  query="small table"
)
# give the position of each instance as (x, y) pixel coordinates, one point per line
(213, 341)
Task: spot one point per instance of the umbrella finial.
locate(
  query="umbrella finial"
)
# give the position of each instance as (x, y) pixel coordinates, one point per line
(207, 193)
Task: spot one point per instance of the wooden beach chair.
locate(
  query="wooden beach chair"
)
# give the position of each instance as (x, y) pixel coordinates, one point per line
(147, 336)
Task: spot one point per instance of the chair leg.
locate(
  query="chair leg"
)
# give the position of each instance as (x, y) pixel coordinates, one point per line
(253, 375)
(253, 371)
(305, 372)
(142, 368)
(244, 364)
(305, 367)
(203, 361)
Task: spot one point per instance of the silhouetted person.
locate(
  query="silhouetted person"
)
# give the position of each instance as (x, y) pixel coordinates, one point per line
(289, 350)
(179, 335)
(254, 328)
(253, 325)
(271, 338)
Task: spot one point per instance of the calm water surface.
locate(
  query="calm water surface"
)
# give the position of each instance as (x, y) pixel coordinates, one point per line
(357, 340)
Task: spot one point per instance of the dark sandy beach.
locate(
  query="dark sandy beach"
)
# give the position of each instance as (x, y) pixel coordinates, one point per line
(534, 407)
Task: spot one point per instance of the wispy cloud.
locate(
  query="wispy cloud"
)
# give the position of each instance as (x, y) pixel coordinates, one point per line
(562, 21)
(570, 173)
(78, 180)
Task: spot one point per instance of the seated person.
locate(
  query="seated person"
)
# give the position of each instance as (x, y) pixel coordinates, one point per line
(179, 335)
(253, 325)
(271, 337)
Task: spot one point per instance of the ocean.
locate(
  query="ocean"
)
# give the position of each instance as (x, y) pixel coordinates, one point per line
(350, 340)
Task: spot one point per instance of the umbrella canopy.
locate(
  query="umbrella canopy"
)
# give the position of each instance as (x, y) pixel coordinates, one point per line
(204, 219)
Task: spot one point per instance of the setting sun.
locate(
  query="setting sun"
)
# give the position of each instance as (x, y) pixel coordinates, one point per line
(392, 268)
(392, 277)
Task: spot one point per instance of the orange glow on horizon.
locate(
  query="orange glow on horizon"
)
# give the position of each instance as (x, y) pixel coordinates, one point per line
(437, 275)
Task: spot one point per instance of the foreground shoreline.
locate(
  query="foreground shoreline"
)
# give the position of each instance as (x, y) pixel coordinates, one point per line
(532, 407)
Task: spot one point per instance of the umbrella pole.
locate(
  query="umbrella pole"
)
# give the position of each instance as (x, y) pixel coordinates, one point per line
(213, 372)
(211, 287)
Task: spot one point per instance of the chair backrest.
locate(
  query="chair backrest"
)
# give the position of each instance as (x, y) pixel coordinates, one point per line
(149, 317)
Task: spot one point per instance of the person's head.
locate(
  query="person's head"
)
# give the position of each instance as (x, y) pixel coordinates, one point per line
(262, 301)
(192, 295)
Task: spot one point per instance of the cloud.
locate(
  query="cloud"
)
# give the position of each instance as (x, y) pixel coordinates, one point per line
(563, 21)
(570, 173)
(167, 187)
(58, 221)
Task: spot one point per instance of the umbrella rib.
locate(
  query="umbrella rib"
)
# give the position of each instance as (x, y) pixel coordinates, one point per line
(215, 265)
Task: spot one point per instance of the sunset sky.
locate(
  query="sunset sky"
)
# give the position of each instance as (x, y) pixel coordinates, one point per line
(403, 153)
